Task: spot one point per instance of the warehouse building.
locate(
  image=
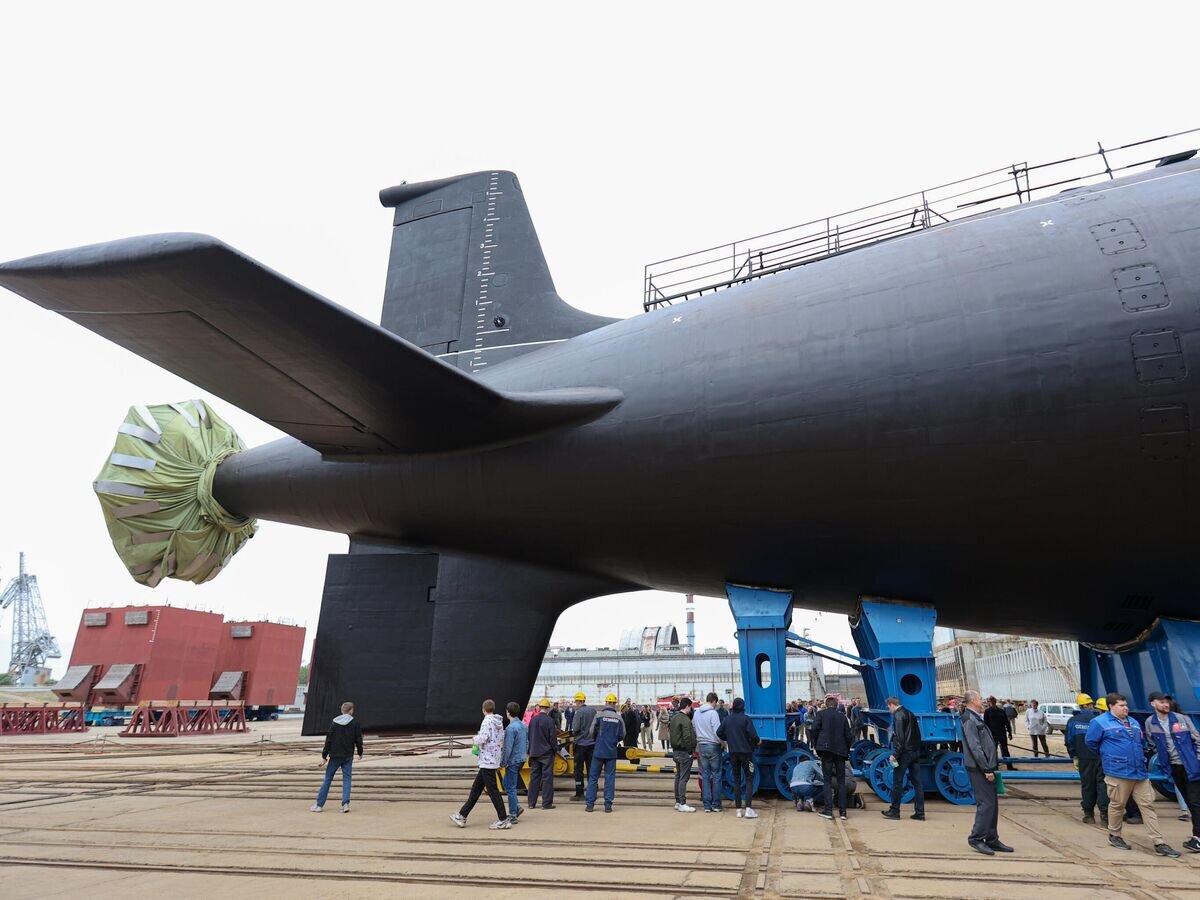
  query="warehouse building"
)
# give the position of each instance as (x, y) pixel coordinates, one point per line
(650, 664)
(1006, 666)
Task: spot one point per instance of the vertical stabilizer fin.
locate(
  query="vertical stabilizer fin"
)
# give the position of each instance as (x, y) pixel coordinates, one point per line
(467, 280)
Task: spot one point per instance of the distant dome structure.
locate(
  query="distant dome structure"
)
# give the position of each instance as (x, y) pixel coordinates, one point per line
(650, 639)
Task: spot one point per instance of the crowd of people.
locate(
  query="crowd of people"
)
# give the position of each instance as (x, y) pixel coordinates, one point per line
(1109, 747)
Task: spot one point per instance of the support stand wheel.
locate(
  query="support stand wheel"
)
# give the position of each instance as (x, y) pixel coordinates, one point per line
(783, 769)
(950, 776)
(879, 772)
(859, 751)
(1165, 788)
(727, 779)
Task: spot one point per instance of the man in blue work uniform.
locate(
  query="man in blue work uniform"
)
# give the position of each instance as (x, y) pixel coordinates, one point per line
(607, 731)
(543, 742)
(1178, 745)
(1117, 738)
(1093, 794)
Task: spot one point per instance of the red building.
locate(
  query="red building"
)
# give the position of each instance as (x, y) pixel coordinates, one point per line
(124, 655)
(258, 663)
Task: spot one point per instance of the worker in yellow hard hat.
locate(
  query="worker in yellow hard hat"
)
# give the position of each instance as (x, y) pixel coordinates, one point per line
(1093, 795)
(583, 743)
(1102, 704)
(608, 730)
(543, 743)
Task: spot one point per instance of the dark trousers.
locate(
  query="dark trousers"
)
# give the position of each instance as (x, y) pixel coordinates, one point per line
(583, 761)
(1002, 747)
(1092, 791)
(833, 767)
(987, 808)
(683, 771)
(743, 781)
(485, 780)
(1190, 791)
(908, 762)
(1034, 738)
(541, 779)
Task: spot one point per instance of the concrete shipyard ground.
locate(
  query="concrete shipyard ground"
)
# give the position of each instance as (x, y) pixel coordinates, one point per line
(94, 815)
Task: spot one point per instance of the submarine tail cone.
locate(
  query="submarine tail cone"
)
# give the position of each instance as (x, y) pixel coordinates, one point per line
(156, 492)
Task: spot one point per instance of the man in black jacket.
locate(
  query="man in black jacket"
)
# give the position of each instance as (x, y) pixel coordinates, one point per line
(543, 742)
(906, 755)
(830, 737)
(344, 737)
(999, 724)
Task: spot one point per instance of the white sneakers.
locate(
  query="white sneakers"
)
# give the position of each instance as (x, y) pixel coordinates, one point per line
(739, 812)
(501, 824)
(751, 814)
(315, 808)
(345, 807)
(683, 807)
(458, 820)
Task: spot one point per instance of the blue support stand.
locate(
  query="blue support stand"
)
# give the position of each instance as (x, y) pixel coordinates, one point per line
(1166, 658)
(895, 643)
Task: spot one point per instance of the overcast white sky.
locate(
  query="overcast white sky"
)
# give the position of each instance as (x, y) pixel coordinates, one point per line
(638, 132)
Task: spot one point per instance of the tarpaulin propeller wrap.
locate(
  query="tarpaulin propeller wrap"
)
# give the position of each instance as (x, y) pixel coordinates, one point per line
(156, 492)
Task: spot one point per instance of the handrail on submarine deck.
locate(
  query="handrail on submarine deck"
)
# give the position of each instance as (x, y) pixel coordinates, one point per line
(680, 278)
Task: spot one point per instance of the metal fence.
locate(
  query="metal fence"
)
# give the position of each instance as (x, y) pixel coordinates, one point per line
(680, 278)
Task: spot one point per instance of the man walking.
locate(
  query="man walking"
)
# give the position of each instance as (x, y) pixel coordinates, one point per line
(607, 732)
(830, 736)
(1093, 794)
(979, 756)
(906, 755)
(512, 757)
(1178, 745)
(683, 745)
(489, 741)
(543, 742)
(1000, 726)
(706, 721)
(1038, 727)
(1117, 738)
(344, 737)
(584, 743)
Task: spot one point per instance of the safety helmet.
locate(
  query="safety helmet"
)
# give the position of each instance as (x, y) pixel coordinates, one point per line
(1083, 700)
(611, 698)
(580, 696)
(544, 703)
(1102, 704)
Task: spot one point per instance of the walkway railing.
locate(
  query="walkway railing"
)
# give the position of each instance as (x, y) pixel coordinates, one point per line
(681, 278)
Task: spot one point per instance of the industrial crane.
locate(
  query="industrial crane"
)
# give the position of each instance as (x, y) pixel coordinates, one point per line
(32, 642)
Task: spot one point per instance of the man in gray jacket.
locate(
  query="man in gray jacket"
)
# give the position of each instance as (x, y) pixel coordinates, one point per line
(981, 759)
(584, 743)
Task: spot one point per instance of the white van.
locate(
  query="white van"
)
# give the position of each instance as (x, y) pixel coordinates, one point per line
(1058, 713)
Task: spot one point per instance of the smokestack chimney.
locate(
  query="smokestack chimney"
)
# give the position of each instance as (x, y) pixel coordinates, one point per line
(691, 624)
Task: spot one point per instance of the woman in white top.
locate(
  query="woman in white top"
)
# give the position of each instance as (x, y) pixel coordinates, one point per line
(1037, 726)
